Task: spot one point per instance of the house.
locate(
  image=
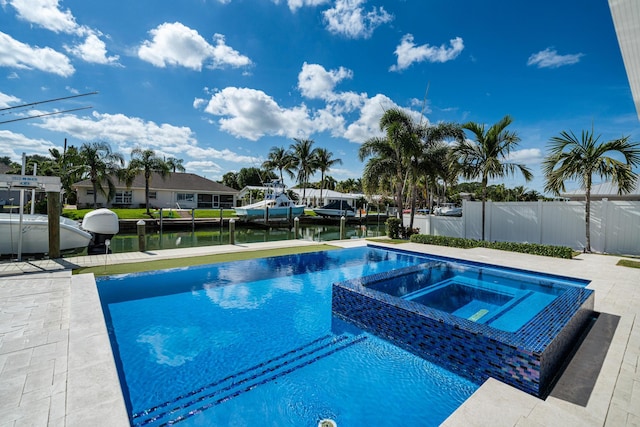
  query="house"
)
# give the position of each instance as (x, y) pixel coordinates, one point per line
(178, 190)
(606, 190)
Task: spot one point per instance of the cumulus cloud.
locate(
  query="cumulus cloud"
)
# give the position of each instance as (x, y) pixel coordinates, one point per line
(526, 156)
(549, 58)
(7, 100)
(93, 50)
(251, 114)
(14, 144)
(178, 45)
(314, 81)
(46, 14)
(348, 18)
(19, 55)
(408, 53)
(297, 4)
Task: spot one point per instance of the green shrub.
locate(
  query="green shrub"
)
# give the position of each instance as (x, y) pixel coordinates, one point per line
(527, 248)
(393, 227)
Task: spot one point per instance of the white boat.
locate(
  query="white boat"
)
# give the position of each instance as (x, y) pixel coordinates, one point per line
(448, 209)
(97, 226)
(276, 204)
(336, 208)
(35, 234)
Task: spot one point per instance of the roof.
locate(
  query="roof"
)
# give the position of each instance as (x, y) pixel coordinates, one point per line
(174, 182)
(605, 189)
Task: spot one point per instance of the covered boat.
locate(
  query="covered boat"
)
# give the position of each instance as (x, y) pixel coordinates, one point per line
(337, 208)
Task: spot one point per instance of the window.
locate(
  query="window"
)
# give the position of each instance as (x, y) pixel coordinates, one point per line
(153, 194)
(90, 192)
(123, 197)
(185, 197)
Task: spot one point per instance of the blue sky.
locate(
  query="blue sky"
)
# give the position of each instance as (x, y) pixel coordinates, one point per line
(217, 83)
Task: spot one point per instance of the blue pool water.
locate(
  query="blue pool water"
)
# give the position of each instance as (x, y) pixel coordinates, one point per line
(501, 298)
(255, 343)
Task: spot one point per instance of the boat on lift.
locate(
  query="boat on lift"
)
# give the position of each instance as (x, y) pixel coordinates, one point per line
(337, 208)
(276, 205)
(97, 226)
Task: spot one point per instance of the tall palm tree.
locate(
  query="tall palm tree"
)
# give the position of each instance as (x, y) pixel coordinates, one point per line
(488, 157)
(145, 161)
(280, 159)
(390, 156)
(100, 164)
(573, 158)
(175, 164)
(304, 156)
(324, 161)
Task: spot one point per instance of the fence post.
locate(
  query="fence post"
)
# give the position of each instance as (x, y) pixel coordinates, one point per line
(232, 231)
(296, 227)
(142, 239)
(342, 222)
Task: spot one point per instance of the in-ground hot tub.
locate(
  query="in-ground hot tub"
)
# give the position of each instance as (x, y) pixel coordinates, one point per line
(477, 320)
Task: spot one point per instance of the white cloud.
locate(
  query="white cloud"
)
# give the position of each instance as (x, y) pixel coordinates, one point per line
(349, 19)
(7, 100)
(204, 166)
(408, 53)
(176, 44)
(16, 54)
(47, 14)
(93, 50)
(251, 114)
(297, 4)
(314, 81)
(119, 129)
(526, 156)
(549, 58)
(14, 144)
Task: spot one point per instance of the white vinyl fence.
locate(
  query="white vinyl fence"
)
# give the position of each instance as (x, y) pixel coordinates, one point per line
(615, 225)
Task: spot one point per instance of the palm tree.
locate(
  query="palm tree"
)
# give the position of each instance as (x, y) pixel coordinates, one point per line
(391, 155)
(100, 164)
(175, 164)
(487, 157)
(305, 161)
(324, 161)
(580, 159)
(148, 162)
(281, 160)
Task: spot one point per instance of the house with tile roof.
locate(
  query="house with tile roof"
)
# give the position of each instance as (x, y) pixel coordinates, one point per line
(177, 191)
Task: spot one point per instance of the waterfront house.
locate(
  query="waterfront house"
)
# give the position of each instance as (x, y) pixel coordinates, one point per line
(176, 191)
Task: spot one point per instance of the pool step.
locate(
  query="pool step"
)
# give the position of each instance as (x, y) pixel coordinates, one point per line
(220, 391)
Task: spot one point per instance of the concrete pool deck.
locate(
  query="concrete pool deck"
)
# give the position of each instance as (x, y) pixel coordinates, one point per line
(57, 369)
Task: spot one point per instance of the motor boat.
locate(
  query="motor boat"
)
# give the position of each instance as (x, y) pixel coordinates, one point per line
(35, 232)
(275, 205)
(103, 224)
(336, 208)
(448, 209)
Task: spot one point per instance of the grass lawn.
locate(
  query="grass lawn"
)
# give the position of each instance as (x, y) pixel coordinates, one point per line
(137, 267)
(629, 263)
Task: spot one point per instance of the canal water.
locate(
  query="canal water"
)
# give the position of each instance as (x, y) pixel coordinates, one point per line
(172, 239)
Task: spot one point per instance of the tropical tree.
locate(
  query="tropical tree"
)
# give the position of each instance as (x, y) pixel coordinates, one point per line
(304, 156)
(280, 159)
(324, 161)
(230, 179)
(390, 155)
(488, 157)
(175, 164)
(147, 162)
(580, 159)
(100, 164)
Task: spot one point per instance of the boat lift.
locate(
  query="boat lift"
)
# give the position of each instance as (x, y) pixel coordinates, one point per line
(52, 186)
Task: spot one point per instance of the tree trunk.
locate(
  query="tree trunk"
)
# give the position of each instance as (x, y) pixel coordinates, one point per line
(484, 201)
(413, 206)
(147, 176)
(587, 217)
(95, 193)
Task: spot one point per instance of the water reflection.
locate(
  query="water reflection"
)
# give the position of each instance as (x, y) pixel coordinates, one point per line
(128, 242)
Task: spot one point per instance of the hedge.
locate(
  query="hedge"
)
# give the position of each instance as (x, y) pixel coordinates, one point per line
(527, 248)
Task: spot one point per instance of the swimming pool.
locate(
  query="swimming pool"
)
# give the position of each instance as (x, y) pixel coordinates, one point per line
(255, 343)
